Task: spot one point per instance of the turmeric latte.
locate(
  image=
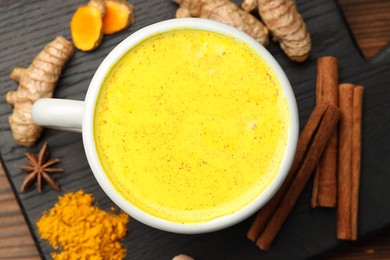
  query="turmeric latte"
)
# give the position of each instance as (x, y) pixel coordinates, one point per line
(191, 125)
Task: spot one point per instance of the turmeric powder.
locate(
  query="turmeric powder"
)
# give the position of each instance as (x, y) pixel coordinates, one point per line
(82, 231)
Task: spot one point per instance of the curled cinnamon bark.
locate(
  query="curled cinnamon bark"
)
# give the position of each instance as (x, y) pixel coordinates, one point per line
(356, 157)
(311, 144)
(325, 181)
(344, 187)
(351, 103)
(266, 212)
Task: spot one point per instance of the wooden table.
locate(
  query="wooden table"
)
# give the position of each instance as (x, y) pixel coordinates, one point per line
(370, 22)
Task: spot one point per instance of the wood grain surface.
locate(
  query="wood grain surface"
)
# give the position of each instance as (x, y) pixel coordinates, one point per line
(15, 238)
(370, 24)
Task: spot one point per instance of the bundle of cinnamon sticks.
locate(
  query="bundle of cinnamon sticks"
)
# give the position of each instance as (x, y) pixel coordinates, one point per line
(337, 177)
(332, 153)
(349, 160)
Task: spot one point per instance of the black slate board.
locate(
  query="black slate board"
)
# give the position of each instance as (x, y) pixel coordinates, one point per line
(26, 26)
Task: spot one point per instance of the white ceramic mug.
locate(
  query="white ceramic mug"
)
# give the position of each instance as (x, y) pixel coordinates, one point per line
(78, 116)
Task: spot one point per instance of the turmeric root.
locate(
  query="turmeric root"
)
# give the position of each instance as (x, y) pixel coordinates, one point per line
(36, 81)
(182, 257)
(99, 4)
(224, 11)
(119, 15)
(99, 17)
(286, 25)
(249, 5)
(86, 25)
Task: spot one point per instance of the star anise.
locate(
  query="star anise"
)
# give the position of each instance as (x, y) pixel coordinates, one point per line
(39, 168)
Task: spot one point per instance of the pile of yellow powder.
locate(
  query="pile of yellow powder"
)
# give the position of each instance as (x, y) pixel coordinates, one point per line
(78, 230)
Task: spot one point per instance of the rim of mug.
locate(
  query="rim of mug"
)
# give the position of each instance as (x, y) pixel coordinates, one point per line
(89, 141)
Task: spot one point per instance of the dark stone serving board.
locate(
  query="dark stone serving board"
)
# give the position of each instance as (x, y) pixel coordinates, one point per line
(26, 26)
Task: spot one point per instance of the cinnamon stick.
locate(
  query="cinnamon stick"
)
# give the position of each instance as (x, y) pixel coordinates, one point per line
(344, 187)
(314, 193)
(325, 180)
(318, 139)
(266, 212)
(356, 156)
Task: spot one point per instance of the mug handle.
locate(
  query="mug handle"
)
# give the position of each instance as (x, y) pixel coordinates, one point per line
(60, 114)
